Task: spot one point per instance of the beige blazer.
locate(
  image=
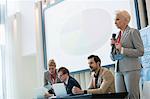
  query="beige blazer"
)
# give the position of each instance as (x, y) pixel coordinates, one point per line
(105, 81)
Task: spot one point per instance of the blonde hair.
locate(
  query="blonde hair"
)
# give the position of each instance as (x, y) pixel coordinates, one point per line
(124, 14)
(51, 62)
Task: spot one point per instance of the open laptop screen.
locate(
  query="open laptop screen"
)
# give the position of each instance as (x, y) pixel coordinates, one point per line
(59, 89)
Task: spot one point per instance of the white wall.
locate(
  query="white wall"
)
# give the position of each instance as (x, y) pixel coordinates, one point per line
(26, 8)
(27, 73)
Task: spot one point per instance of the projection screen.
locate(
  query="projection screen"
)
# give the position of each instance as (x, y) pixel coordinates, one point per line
(75, 29)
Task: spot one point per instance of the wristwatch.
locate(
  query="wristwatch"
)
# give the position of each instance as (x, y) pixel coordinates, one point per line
(85, 91)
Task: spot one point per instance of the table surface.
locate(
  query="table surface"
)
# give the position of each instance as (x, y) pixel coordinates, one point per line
(91, 96)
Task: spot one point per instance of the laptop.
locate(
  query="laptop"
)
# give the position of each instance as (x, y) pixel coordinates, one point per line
(59, 89)
(40, 92)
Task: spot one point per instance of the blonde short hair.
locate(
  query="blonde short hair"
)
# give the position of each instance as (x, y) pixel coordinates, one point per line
(51, 62)
(124, 14)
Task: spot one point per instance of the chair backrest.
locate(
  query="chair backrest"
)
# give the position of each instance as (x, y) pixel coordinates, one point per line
(83, 77)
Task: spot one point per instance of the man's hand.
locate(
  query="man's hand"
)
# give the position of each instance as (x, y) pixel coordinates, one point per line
(76, 90)
(48, 94)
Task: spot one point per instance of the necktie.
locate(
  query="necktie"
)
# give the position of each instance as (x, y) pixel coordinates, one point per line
(96, 80)
(119, 37)
(65, 84)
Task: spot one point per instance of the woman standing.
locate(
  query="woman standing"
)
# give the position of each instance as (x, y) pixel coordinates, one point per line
(128, 44)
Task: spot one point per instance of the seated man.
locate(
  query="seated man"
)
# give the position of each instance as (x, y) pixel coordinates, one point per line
(70, 82)
(102, 80)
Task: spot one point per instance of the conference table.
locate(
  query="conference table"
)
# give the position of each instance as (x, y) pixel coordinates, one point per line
(123, 95)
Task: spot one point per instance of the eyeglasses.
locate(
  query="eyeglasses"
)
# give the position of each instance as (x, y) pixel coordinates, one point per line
(60, 75)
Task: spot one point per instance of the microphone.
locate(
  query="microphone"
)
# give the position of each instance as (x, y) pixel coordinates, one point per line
(114, 36)
(113, 45)
(115, 52)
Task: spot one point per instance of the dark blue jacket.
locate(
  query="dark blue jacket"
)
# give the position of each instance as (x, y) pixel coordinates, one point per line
(71, 83)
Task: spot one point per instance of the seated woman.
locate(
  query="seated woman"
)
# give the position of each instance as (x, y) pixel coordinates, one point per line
(50, 77)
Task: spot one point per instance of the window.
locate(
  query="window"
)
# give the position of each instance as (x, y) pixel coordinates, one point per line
(2, 43)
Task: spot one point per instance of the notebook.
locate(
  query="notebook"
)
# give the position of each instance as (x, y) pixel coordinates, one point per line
(59, 89)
